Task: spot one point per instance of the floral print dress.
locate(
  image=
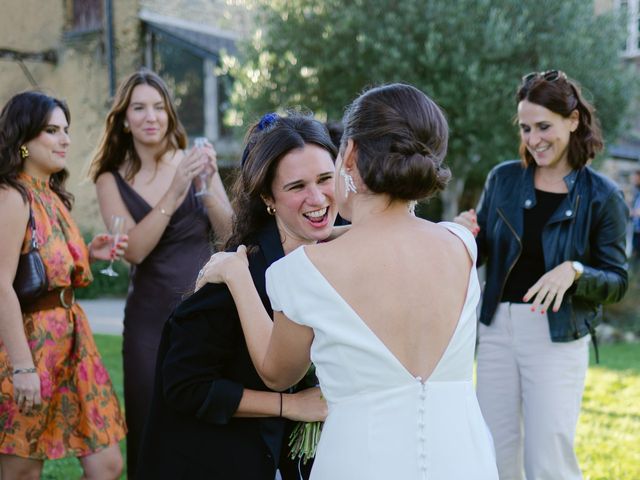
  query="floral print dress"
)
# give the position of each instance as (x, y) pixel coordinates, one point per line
(80, 413)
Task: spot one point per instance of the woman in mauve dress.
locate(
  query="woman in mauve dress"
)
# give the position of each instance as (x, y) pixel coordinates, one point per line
(143, 173)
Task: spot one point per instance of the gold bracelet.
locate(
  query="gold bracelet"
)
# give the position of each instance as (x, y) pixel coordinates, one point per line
(164, 212)
(24, 370)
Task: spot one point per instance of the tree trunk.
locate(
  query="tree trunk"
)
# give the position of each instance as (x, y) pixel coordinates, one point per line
(450, 198)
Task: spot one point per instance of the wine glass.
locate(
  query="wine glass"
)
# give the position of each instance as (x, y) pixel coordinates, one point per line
(200, 142)
(116, 228)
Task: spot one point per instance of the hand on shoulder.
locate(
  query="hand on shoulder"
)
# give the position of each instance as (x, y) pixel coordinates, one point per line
(223, 267)
(468, 219)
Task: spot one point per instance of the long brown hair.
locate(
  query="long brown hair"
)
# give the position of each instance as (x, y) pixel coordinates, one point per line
(116, 145)
(266, 143)
(22, 119)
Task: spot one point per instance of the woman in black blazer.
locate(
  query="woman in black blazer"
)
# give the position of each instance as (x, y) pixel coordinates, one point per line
(211, 416)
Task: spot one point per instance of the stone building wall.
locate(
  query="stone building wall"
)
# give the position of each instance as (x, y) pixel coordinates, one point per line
(80, 76)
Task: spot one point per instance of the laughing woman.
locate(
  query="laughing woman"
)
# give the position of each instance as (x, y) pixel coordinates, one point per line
(211, 415)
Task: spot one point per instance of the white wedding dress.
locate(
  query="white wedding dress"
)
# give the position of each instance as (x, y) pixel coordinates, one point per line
(384, 423)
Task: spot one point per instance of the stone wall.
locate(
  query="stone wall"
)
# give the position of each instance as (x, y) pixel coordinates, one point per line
(80, 76)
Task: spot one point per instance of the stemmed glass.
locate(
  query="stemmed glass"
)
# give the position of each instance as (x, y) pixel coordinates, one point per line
(116, 228)
(200, 142)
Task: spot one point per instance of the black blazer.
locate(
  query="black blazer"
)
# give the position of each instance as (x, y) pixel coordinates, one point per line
(202, 368)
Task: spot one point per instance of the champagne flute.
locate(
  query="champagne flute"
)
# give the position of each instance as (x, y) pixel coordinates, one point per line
(116, 228)
(200, 142)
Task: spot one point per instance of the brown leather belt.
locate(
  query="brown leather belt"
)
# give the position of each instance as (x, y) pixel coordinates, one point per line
(60, 297)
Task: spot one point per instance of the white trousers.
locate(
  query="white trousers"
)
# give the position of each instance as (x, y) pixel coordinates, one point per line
(530, 390)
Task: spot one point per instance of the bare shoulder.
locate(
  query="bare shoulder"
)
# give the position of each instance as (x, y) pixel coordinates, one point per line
(11, 199)
(324, 249)
(14, 210)
(455, 238)
(105, 178)
(447, 242)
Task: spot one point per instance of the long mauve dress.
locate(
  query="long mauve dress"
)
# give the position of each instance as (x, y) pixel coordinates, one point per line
(156, 287)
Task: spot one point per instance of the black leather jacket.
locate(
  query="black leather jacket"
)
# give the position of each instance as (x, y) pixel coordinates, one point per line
(589, 226)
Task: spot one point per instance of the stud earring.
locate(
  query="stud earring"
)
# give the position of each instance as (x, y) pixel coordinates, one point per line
(271, 210)
(349, 186)
(125, 127)
(24, 151)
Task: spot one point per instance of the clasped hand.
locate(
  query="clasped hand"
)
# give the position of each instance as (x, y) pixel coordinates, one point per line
(221, 267)
(306, 406)
(551, 287)
(198, 161)
(101, 247)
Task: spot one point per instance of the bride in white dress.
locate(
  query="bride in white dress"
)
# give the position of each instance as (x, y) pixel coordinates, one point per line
(386, 312)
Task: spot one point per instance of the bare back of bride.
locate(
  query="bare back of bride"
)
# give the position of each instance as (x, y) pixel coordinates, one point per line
(386, 312)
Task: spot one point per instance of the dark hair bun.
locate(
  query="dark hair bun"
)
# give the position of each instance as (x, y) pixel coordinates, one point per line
(401, 136)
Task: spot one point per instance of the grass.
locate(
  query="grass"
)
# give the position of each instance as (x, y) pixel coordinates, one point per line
(608, 432)
(608, 436)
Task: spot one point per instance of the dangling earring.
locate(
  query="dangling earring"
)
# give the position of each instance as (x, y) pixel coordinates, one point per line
(349, 186)
(24, 152)
(125, 127)
(271, 210)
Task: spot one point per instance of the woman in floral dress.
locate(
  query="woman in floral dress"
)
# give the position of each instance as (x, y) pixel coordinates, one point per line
(56, 398)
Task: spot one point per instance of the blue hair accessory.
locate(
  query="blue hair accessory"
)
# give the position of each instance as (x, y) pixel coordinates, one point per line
(267, 120)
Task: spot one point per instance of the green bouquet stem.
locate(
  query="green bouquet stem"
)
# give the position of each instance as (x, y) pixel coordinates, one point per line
(304, 440)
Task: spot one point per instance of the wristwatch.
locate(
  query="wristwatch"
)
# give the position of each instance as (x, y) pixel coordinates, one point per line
(579, 268)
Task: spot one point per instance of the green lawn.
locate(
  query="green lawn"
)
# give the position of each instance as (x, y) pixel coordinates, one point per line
(608, 440)
(608, 432)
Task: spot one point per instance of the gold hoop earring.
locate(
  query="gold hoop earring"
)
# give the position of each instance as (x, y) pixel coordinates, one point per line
(271, 210)
(24, 152)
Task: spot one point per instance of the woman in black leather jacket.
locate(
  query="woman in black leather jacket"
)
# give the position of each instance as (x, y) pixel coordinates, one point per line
(552, 234)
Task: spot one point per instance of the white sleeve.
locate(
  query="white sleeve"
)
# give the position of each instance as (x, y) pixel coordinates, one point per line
(282, 289)
(272, 283)
(466, 236)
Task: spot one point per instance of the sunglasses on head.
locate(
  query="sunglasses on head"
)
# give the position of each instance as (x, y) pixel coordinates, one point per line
(548, 75)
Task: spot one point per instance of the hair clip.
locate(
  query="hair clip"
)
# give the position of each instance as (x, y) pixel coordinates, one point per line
(267, 120)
